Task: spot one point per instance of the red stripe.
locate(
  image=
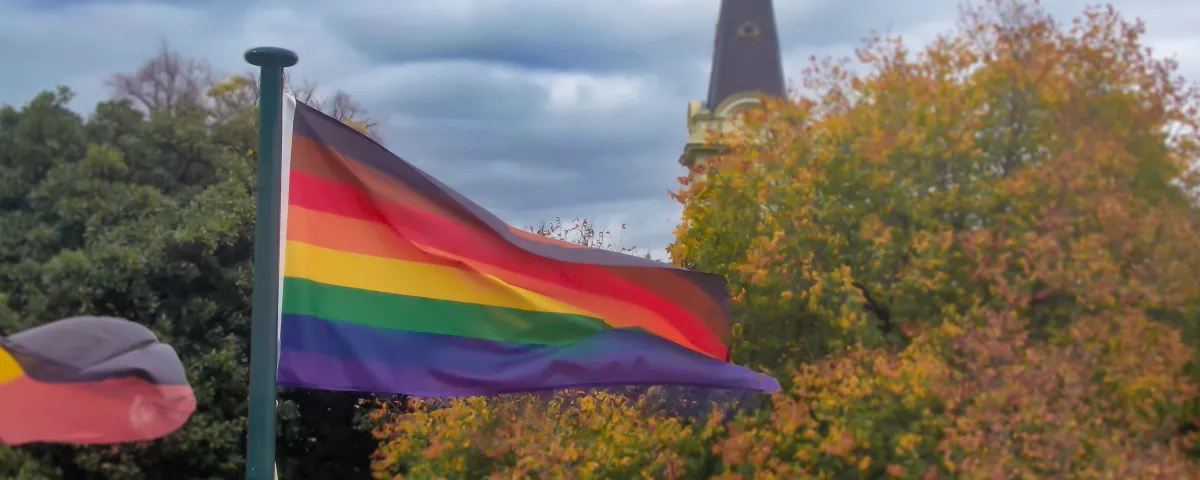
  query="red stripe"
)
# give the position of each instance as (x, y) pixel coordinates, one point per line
(705, 296)
(475, 244)
(115, 410)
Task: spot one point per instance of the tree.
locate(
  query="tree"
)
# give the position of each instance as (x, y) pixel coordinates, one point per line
(616, 432)
(981, 253)
(166, 82)
(583, 232)
(239, 93)
(169, 82)
(113, 224)
(145, 210)
(971, 260)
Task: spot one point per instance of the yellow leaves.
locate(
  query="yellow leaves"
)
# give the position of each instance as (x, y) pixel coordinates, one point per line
(907, 443)
(573, 434)
(814, 293)
(231, 85)
(587, 404)
(838, 443)
(359, 125)
(1002, 197)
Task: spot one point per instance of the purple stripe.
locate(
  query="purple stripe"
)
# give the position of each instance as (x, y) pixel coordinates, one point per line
(327, 355)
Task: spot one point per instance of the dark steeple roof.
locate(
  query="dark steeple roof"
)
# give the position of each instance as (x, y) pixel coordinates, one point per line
(746, 54)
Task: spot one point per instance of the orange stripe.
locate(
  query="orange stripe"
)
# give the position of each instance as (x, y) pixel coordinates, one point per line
(319, 160)
(378, 239)
(364, 237)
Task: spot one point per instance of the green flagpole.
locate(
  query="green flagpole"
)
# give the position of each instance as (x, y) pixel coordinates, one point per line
(264, 326)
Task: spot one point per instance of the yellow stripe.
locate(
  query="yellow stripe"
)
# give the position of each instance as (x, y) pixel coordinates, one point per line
(387, 275)
(9, 368)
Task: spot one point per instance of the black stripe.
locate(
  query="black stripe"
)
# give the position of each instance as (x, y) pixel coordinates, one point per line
(328, 131)
(87, 349)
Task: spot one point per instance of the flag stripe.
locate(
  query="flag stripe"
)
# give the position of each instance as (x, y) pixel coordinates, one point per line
(312, 158)
(355, 235)
(344, 155)
(416, 279)
(378, 239)
(84, 349)
(528, 235)
(350, 144)
(393, 282)
(317, 353)
(510, 264)
(403, 312)
(113, 410)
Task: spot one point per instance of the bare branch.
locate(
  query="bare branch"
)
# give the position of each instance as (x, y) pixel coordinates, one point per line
(165, 82)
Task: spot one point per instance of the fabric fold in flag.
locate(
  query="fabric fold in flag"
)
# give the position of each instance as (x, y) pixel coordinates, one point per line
(90, 380)
(393, 282)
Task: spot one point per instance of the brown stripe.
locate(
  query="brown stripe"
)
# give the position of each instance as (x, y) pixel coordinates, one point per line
(311, 157)
(528, 235)
(700, 292)
(352, 144)
(318, 160)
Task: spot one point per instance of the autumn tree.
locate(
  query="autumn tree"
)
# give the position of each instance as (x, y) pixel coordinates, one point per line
(616, 432)
(980, 253)
(974, 259)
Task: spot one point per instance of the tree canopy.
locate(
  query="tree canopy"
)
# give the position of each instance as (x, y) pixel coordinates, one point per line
(970, 259)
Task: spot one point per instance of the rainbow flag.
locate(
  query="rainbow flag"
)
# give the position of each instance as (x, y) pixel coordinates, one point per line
(90, 380)
(393, 282)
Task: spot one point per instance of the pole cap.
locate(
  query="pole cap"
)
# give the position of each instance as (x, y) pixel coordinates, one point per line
(271, 57)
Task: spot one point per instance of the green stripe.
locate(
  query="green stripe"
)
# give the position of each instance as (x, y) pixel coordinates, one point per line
(420, 314)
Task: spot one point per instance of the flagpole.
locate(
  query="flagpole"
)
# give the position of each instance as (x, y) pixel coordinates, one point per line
(264, 324)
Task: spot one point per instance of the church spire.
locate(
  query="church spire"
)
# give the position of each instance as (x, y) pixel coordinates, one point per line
(746, 53)
(745, 64)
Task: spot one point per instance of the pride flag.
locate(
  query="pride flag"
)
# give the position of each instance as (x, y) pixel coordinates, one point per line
(393, 282)
(90, 380)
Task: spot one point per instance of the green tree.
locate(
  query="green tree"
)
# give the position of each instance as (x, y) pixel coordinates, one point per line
(145, 210)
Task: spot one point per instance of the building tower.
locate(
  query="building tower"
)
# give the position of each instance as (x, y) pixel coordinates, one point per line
(746, 64)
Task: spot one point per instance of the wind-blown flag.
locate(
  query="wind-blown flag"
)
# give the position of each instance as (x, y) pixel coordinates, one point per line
(393, 282)
(90, 380)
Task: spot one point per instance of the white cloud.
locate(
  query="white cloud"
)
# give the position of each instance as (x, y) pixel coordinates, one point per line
(581, 93)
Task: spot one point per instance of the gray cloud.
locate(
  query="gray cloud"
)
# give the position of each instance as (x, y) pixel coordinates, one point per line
(534, 108)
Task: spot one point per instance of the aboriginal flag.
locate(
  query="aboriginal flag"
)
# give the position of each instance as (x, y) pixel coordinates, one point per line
(90, 380)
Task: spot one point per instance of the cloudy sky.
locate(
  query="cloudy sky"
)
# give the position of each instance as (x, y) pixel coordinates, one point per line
(533, 108)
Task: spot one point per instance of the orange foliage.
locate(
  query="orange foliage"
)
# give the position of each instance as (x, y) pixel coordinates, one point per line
(973, 260)
(567, 435)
